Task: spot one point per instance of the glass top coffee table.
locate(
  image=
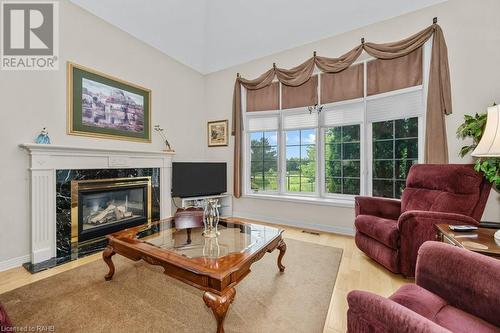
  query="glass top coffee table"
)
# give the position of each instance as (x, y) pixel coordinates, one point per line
(214, 265)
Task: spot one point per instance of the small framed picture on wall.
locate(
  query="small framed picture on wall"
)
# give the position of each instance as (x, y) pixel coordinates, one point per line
(217, 133)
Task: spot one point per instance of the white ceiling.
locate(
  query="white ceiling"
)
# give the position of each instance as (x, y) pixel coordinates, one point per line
(210, 35)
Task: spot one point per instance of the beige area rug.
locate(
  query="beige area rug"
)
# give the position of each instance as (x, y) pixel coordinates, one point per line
(140, 298)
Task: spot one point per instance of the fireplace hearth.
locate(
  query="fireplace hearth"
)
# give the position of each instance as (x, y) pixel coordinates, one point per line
(103, 206)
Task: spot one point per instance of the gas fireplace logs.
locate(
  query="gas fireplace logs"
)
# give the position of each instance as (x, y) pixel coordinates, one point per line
(109, 214)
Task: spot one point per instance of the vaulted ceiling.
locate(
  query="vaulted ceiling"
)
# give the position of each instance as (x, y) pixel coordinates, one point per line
(210, 35)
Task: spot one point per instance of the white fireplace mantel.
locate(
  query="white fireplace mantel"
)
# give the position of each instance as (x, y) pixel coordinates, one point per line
(46, 159)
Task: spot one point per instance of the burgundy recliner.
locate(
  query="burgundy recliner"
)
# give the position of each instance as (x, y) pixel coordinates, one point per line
(455, 290)
(391, 231)
(5, 323)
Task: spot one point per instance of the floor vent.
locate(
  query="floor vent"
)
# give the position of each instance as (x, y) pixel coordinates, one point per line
(311, 232)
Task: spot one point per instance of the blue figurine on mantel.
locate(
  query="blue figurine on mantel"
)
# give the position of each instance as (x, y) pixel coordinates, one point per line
(43, 137)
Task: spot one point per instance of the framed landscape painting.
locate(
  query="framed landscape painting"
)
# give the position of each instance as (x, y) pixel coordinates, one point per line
(102, 106)
(217, 133)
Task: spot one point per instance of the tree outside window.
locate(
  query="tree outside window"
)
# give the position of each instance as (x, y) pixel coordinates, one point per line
(395, 150)
(301, 160)
(264, 161)
(342, 160)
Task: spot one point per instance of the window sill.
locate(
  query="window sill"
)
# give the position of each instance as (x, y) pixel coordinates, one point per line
(337, 202)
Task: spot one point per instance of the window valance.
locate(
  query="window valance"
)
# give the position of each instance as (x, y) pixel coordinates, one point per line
(438, 97)
(342, 86)
(385, 75)
(266, 98)
(297, 96)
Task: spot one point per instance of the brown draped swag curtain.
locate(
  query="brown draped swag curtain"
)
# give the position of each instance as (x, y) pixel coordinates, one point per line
(438, 97)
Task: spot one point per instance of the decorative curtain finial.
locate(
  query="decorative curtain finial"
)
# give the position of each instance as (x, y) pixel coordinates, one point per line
(314, 54)
(435, 20)
(274, 65)
(362, 40)
(237, 75)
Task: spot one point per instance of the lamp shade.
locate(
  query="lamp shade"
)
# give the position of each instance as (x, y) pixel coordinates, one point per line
(489, 145)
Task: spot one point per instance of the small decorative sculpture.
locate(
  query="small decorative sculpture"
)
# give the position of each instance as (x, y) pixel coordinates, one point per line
(43, 137)
(211, 218)
(315, 107)
(161, 132)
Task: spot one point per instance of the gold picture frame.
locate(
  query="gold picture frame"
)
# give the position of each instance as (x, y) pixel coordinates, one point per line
(75, 123)
(217, 131)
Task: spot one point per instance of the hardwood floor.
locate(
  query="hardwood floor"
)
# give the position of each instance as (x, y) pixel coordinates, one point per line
(357, 271)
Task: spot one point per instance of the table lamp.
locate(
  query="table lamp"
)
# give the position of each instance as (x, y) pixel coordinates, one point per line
(489, 145)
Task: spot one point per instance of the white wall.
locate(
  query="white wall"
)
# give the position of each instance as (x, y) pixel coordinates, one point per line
(32, 100)
(472, 33)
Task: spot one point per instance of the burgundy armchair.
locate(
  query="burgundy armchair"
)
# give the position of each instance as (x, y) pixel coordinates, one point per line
(391, 231)
(5, 323)
(456, 290)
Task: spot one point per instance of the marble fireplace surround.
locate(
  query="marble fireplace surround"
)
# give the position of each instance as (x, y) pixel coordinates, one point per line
(46, 159)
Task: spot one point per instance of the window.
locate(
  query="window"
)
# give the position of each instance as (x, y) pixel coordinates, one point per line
(264, 161)
(342, 159)
(362, 146)
(394, 140)
(395, 150)
(284, 157)
(301, 160)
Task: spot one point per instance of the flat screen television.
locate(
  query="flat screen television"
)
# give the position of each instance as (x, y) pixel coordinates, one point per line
(192, 179)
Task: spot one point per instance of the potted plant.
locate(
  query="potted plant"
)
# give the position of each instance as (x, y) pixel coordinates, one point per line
(473, 127)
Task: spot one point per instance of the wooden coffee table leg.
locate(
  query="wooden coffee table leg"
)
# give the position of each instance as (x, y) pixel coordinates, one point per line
(219, 305)
(106, 256)
(282, 249)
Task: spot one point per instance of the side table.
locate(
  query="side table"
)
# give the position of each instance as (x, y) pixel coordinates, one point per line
(480, 240)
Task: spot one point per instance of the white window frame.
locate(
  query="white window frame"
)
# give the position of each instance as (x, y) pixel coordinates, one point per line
(247, 151)
(283, 131)
(326, 108)
(320, 196)
(369, 135)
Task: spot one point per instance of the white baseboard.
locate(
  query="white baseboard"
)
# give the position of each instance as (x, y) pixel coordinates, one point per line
(14, 262)
(297, 223)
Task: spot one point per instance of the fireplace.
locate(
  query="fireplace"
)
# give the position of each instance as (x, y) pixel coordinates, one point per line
(103, 206)
(53, 168)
